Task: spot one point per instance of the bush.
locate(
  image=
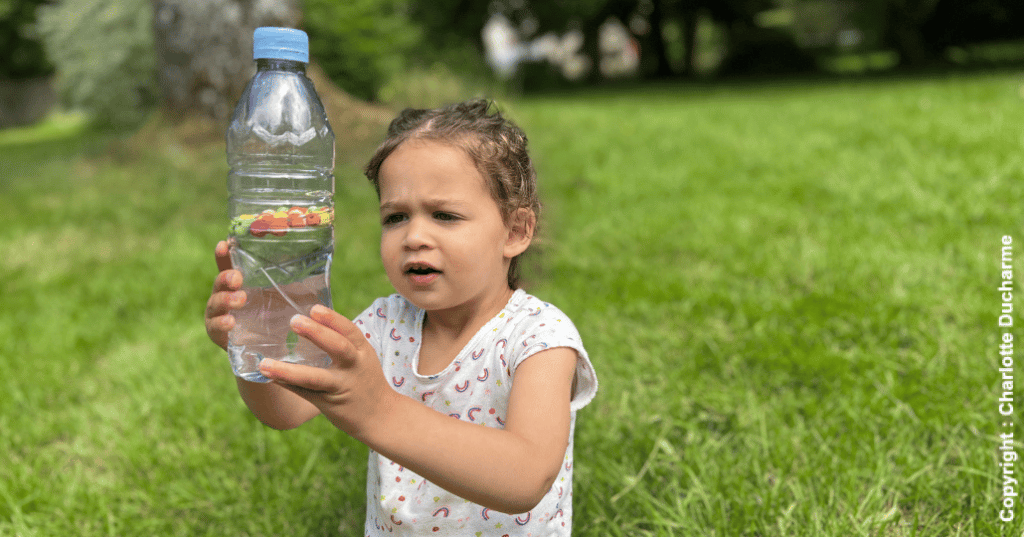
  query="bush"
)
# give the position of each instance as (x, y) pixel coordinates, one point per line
(424, 88)
(360, 44)
(104, 56)
(438, 85)
(21, 53)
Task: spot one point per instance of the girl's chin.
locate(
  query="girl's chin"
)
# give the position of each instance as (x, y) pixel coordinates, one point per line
(422, 281)
(425, 301)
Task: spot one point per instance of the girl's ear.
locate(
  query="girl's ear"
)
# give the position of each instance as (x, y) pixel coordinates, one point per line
(520, 232)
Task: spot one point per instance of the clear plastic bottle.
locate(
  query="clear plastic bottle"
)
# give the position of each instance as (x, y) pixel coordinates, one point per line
(280, 148)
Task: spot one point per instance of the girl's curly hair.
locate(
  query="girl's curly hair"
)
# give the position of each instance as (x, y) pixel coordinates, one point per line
(494, 143)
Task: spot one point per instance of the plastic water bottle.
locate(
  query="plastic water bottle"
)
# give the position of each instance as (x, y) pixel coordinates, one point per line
(281, 202)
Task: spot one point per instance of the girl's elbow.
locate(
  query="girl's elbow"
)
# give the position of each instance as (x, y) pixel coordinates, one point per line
(517, 506)
(534, 500)
(279, 424)
(528, 495)
(283, 421)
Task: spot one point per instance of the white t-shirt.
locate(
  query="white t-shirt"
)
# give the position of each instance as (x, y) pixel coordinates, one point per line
(475, 387)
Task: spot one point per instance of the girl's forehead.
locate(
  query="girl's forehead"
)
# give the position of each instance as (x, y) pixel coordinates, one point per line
(427, 165)
(430, 146)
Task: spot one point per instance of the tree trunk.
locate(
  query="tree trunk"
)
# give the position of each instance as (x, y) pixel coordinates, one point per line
(906, 19)
(204, 50)
(690, 19)
(658, 43)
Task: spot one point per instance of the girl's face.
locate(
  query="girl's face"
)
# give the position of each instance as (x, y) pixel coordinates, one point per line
(443, 242)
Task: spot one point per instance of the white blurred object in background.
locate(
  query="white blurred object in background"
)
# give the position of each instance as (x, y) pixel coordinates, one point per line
(503, 49)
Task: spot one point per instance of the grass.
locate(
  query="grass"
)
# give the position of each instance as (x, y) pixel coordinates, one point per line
(788, 291)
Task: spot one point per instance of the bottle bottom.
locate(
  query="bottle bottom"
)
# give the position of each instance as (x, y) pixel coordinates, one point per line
(262, 325)
(245, 360)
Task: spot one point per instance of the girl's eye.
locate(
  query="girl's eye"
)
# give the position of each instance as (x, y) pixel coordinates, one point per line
(392, 218)
(447, 217)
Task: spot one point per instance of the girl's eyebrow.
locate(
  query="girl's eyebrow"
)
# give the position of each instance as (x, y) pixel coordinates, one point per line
(432, 203)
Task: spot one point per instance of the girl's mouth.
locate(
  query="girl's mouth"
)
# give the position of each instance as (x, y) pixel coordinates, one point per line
(421, 269)
(421, 274)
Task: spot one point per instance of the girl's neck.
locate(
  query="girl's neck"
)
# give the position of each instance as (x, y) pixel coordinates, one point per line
(458, 323)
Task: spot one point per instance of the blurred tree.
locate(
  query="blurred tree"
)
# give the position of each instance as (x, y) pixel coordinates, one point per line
(962, 22)
(921, 31)
(26, 90)
(103, 53)
(360, 44)
(21, 48)
(735, 17)
(204, 50)
(450, 24)
(905, 21)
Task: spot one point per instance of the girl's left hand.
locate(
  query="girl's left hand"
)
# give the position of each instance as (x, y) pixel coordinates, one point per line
(352, 391)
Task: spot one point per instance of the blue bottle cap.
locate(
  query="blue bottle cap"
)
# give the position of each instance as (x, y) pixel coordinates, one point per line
(280, 44)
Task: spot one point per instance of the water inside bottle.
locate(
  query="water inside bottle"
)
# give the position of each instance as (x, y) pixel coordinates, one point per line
(275, 292)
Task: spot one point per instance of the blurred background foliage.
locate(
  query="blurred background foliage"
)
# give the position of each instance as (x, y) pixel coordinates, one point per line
(21, 50)
(422, 53)
(368, 49)
(103, 53)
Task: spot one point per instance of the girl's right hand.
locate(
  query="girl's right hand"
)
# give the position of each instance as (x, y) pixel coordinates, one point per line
(224, 298)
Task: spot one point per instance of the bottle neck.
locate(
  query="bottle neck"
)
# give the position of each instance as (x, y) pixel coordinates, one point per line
(275, 64)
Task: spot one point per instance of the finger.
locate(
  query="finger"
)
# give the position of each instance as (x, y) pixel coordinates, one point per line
(228, 280)
(218, 327)
(337, 322)
(314, 397)
(223, 302)
(325, 337)
(304, 380)
(222, 253)
(223, 323)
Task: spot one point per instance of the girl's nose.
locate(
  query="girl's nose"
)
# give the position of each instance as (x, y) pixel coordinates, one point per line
(417, 235)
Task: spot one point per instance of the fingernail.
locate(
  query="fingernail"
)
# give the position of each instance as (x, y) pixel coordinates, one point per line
(267, 366)
(318, 309)
(299, 320)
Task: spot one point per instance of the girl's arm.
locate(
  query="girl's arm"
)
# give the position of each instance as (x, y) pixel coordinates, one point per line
(276, 406)
(272, 404)
(508, 470)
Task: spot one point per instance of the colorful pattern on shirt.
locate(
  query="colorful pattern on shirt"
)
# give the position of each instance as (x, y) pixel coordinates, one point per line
(475, 387)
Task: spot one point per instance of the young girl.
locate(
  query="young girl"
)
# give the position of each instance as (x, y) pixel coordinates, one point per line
(464, 387)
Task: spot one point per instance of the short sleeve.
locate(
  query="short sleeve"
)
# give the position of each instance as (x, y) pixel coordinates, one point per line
(371, 322)
(546, 327)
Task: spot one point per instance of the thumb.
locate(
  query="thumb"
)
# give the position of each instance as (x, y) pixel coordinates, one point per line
(306, 381)
(223, 256)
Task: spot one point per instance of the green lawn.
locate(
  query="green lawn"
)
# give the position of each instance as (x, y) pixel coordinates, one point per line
(788, 291)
